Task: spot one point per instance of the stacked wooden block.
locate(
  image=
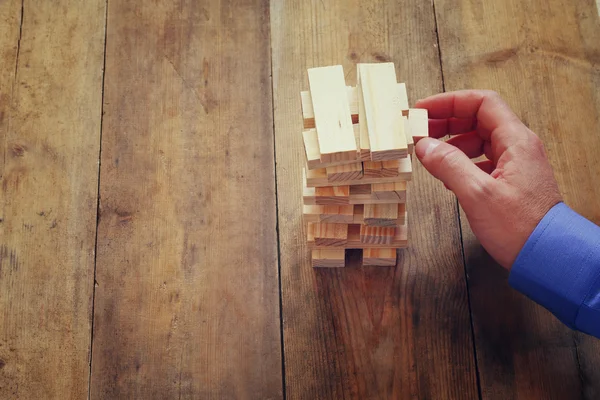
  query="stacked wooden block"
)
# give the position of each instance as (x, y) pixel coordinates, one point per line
(358, 143)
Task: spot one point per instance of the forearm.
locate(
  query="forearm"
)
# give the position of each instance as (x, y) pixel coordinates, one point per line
(559, 268)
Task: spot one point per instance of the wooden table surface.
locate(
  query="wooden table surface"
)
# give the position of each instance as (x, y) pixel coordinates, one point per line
(151, 243)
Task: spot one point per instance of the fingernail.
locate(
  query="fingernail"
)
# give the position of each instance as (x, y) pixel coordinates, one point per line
(430, 144)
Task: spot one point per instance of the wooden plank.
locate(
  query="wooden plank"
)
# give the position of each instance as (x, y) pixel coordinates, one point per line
(359, 217)
(382, 111)
(313, 155)
(347, 172)
(187, 299)
(379, 257)
(367, 333)
(329, 258)
(376, 234)
(327, 234)
(380, 214)
(318, 177)
(50, 115)
(522, 350)
(396, 194)
(360, 189)
(332, 113)
(331, 214)
(372, 237)
(419, 124)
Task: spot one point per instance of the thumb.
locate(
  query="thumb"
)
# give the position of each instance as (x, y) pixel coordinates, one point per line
(451, 166)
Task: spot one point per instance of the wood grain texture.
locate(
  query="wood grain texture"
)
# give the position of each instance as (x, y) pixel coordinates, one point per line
(50, 111)
(547, 68)
(187, 297)
(367, 333)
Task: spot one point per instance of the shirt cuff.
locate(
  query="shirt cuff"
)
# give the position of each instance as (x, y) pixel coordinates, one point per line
(559, 267)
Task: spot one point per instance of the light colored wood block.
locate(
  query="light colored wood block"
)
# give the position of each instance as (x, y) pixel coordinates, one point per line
(380, 214)
(330, 214)
(377, 234)
(318, 177)
(328, 258)
(313, 155)
(379, 257)
(331, 108)
(410, 142)
(383, 115)
(347, 172)
(327, 234)
(363, 143)
(358, 217)
(418, 121)
(402, 97)
(363, 194)
(327, 195)
(399, 239)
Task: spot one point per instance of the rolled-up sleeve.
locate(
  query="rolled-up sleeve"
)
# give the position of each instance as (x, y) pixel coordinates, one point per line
(559, 268)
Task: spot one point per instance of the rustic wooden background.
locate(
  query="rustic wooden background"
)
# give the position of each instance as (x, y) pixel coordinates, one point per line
(151, 243)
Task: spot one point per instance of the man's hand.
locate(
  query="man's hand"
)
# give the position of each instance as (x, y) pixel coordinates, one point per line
(505, 196)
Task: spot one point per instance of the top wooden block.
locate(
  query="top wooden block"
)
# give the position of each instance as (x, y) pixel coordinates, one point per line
(384, 122)
(333, 121)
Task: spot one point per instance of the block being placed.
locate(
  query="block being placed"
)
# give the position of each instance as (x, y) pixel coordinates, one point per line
(333, 121)
(379, 257)
(419, 123)
(382, 111)
(410, 142)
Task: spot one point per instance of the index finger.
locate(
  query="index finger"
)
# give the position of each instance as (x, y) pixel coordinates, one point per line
(485, 105)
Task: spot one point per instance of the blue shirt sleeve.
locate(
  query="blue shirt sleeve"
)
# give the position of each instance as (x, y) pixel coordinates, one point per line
(559, 268)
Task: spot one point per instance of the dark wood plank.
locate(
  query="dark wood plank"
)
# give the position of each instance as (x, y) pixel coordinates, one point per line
(187, 295)
(543, 58)
(367, 332)
(51, 55)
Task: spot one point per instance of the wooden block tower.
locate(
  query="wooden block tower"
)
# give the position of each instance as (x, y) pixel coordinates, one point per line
(358, 141)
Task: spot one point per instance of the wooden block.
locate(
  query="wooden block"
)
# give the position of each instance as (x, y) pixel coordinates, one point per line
(313, 155)
(379, 257)
(328, 258)
(326, 234)
(311, 148)
(330, 214)
(327, 195)
(377, 234)
(309, 115)
(347, 172)
(399, 239)
(402, 97)
(363, 194)
(353, 100)
(380, 214)
(410, 143)
(418, 121)
(383, 115)
(390, 167)
(358, 217)
(318, 177)
(360, 189)
(331, 108)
